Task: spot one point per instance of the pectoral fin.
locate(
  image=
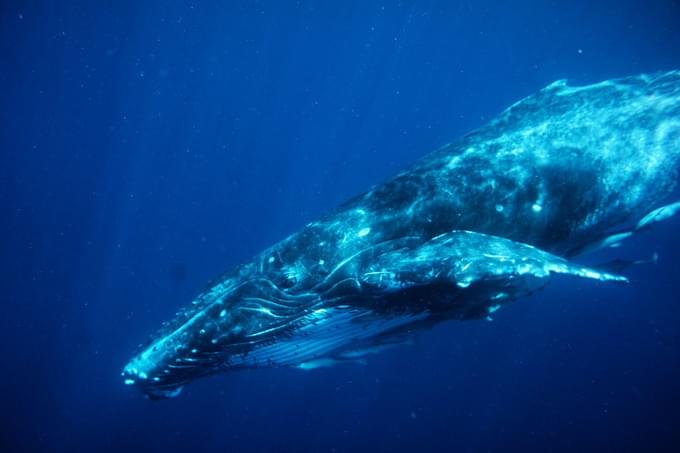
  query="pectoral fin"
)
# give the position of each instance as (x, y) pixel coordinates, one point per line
(466, 257)
(472, 272)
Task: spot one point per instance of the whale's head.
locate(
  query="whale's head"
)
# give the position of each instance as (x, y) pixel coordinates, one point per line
(184, 350)
(153, 371)
(215, 333)
(160, 369)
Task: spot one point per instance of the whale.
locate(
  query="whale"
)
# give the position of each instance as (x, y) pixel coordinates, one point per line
(471, 227)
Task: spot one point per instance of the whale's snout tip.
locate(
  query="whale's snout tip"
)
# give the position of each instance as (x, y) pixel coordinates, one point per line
(154, 389)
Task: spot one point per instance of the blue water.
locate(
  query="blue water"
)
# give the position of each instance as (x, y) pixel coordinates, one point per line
(147, 146)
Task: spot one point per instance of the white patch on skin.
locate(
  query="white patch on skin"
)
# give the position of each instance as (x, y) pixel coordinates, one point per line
(363, 232)
(536, 207)
(453, 163)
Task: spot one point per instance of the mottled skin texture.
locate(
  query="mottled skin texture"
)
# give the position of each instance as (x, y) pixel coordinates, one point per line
(558, 170)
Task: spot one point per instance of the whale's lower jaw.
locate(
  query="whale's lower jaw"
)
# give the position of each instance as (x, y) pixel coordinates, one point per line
(331, 333)
(163, 394)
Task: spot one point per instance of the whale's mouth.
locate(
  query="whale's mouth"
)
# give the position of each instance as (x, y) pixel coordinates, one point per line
(161, 394)
(154, 389)
(152, 383)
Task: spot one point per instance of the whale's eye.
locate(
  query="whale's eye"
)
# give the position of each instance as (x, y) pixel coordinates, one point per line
(287, 281)
(290, 276)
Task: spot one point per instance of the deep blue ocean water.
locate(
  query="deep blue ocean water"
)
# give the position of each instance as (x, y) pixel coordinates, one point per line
(145, 147)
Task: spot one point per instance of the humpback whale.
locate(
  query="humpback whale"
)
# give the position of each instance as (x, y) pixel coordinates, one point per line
(469, 228)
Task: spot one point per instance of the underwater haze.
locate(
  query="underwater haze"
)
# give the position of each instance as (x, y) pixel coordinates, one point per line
(146, 147)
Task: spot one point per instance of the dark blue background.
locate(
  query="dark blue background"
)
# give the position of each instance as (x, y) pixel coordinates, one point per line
(147, 146)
